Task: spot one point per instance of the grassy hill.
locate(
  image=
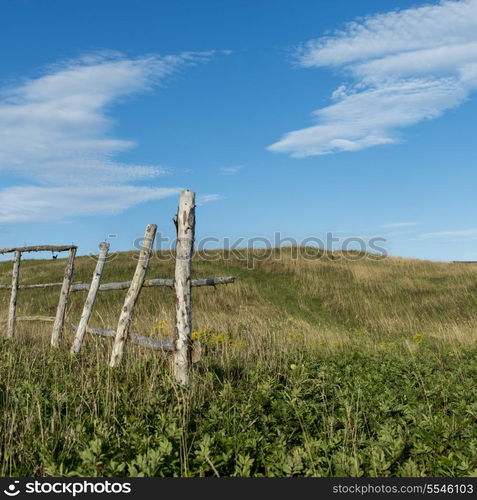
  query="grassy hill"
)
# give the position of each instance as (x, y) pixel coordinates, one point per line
(313, 364)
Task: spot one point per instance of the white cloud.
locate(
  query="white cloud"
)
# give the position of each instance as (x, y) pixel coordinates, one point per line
(207, 198)
(230, 170)
(398, 224)
(55, 131)
(40, 204)
(406, 66)
(449, 234)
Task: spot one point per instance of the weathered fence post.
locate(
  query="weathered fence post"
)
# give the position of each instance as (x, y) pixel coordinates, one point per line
(62, 303)
(13, 297)
(90, 299)
(185, 223)
(125, 317)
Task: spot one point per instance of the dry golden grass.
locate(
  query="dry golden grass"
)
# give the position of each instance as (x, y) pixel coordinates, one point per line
(322, 300)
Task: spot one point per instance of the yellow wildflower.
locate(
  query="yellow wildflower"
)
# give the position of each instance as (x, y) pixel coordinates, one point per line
(218, 338)
(417, 337)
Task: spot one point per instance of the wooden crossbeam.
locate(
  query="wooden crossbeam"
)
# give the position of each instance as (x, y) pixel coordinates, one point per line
(220, 280)
(37, 318)
(164, 345)
(32, 318)
(155, 345)
(39, 248)
(42, 285)
(123, 285)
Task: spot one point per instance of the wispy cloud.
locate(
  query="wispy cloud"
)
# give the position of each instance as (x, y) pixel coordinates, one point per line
(230, 170)
(405, 67)
(40, 204)
(207, 198)
(56, 134)
(450, 234)
(398, 224)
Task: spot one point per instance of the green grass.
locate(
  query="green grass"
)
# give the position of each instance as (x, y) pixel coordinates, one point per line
(311, 367)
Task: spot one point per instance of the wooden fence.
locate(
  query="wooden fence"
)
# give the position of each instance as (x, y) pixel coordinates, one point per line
(58, 320)
(181, 346)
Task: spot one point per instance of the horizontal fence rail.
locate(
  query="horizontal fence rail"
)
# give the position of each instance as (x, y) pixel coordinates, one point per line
(39, 285)
(39, 248)
(123, 285)
(32, 318)
(164, 345)
(155, 345)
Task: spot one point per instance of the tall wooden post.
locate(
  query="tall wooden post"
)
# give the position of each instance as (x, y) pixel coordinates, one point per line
(182, 284)
(63, 302)
(125, 317)
(90, 299)
(13, 297)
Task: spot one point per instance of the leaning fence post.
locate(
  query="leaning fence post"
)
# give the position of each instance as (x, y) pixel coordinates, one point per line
(185, 223)
(13, 297)
(125, 317)
(91, 298)
(62, 303)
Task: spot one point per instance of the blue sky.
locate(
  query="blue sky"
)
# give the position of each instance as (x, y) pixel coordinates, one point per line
(355, 118)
